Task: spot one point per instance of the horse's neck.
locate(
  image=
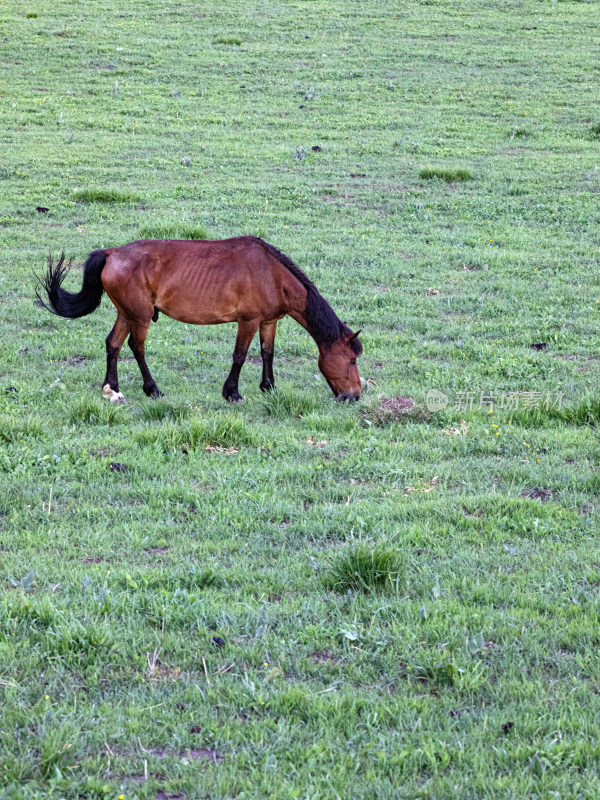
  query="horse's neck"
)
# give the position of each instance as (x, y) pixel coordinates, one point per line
(297, 296)
(297, 312)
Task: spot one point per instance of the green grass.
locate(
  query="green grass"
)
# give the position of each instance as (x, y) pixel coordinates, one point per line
(93, 411)
(293, 597)
(287, 402)
(172, 232)
(364, 568)
(448, 175)
(229, 40)
(105, 196)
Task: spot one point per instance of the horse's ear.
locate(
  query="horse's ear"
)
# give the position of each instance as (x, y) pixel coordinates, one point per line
(354, 336)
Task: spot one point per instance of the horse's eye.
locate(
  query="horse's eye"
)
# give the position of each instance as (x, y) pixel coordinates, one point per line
(353, 361)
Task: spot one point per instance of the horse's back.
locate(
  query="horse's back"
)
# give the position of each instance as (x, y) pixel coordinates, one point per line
(198, 281)
(167, 254)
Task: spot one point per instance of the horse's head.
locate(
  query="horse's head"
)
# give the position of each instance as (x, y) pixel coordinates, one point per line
(337, 362)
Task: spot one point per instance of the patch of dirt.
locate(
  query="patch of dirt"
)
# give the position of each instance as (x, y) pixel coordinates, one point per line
(158, 550)
(210, 449)
(468, 513)
(576, 357)
(102, 451)
(396, 406)
(206, 752)
(325, 657)
(333, 198)
(92, 560)
(162, 672)
(390, 409)
(136, 501)
(538, 494)
(160, 795)
(114, 466)
(76, 360)
(160, 752)
(256, 362)
(593, 584)
(588, 510)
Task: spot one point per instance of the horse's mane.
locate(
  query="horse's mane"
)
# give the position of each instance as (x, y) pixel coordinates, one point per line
(322, 322)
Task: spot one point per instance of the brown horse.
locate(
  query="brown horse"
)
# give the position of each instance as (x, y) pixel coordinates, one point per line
(243, 280)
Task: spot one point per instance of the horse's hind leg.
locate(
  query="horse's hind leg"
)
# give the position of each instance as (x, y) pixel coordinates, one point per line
(137, 344)
(245, 334)
(267, 345)
(114, 342)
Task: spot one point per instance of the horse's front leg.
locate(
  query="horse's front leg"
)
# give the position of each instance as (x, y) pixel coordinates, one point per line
(267, 347)
(245, 334)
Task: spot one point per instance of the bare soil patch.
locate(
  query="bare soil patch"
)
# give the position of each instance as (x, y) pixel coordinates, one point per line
(325, 657)
(207, 753)
(544, 495)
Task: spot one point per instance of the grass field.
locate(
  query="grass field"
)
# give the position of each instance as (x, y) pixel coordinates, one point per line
(293, 598)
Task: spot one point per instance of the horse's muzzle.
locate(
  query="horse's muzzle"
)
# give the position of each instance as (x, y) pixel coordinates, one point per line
(341, 398)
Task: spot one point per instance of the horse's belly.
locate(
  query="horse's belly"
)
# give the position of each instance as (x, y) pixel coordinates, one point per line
(197, 308)
(213, 306)
(197, 313)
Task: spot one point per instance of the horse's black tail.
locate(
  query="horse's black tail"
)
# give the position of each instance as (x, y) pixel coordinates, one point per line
(69, 304)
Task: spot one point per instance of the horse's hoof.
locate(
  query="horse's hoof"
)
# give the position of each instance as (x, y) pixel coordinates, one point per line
(267, 387)
(110, 394)
(234, 397)
(154, 393)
